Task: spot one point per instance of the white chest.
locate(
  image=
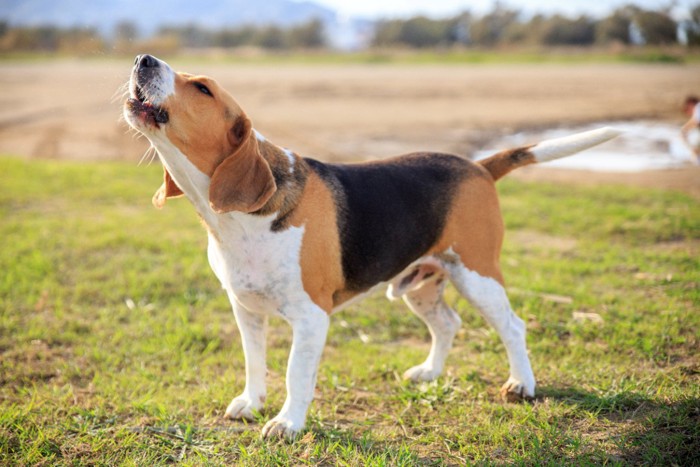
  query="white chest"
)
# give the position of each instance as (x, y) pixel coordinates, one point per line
(259, 268)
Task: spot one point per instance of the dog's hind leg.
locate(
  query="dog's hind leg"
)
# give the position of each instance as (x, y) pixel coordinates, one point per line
(427, 302)
(487, 295)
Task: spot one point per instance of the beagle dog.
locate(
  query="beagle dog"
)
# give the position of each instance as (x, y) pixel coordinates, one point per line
(301, 239)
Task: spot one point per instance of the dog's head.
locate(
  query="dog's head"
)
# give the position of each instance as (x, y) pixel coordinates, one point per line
(205, 124)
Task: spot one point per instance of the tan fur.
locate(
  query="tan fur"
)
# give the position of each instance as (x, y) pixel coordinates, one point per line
(243, 181)
(321, 266)
(505, 162)
(248, 174)
(167, 190)
(287, 196)
(223, 148)
(215, 153)
(214, 116)
(474, 228)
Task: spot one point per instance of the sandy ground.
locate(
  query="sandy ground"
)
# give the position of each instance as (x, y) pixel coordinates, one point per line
(71, 109)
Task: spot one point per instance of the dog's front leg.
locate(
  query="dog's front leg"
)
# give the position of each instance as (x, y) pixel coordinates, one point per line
(253, 328)
(309, 330)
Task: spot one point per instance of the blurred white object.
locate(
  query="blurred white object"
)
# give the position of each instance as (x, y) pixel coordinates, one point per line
(644, 145)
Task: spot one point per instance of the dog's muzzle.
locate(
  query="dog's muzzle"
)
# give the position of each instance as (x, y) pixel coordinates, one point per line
(144, 99)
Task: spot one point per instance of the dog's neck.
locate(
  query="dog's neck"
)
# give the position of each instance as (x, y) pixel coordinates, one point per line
(289, 171)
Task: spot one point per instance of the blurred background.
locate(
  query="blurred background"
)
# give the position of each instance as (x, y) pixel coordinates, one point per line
(127, 26)
(364, 79)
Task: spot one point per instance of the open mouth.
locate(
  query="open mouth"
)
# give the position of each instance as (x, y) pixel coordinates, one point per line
(142, 108)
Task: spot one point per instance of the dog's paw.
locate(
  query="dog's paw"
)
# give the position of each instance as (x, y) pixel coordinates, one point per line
(421, 373)
(516, 391)
(282, 427)
(244, 407)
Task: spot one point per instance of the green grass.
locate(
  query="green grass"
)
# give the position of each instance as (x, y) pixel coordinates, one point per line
(117, 346)
(515, 56)
(456, 56)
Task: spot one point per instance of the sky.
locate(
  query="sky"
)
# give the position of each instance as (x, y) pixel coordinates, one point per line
(440, 8)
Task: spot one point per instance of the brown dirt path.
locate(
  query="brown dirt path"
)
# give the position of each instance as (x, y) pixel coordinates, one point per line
(66, 108)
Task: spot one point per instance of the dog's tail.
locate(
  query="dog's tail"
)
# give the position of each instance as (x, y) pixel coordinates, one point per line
(505, 161)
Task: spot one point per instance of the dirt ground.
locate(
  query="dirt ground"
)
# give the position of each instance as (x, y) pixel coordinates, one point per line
(71, 108)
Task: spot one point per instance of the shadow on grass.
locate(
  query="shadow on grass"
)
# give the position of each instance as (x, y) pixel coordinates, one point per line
(651, 432)
(350, 447)
(241, 443)
(628, 428)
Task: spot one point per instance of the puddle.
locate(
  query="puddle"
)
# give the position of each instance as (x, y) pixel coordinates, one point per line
(645, 145)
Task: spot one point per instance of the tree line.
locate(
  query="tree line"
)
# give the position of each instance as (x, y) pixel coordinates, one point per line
(502, 26)
(126, 36)
(629, 25)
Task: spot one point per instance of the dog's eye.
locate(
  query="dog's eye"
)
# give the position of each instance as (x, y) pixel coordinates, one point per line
(203, 89)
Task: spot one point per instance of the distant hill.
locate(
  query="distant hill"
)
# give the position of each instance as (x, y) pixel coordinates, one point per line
(149, 16)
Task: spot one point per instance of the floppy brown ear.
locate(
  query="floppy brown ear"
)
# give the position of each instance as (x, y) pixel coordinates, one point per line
(243, 181)
(168, 189)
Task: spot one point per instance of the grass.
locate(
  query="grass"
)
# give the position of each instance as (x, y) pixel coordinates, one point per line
(118, 347)
(475, 56)
(448, 56)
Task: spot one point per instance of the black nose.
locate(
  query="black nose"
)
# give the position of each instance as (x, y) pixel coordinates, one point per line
(146, 61)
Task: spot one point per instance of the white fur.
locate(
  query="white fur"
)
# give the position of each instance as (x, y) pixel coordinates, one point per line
(261, 273)
(428, 303)
(161, 86)
(290, 157)
(253, 329)
(259, 136)
(398, 289)
(260, 270)
(424, 296)
(561, 147)
(489, 297)
(309, 330)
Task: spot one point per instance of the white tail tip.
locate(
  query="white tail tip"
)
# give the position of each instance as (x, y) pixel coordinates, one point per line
(561, 147)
